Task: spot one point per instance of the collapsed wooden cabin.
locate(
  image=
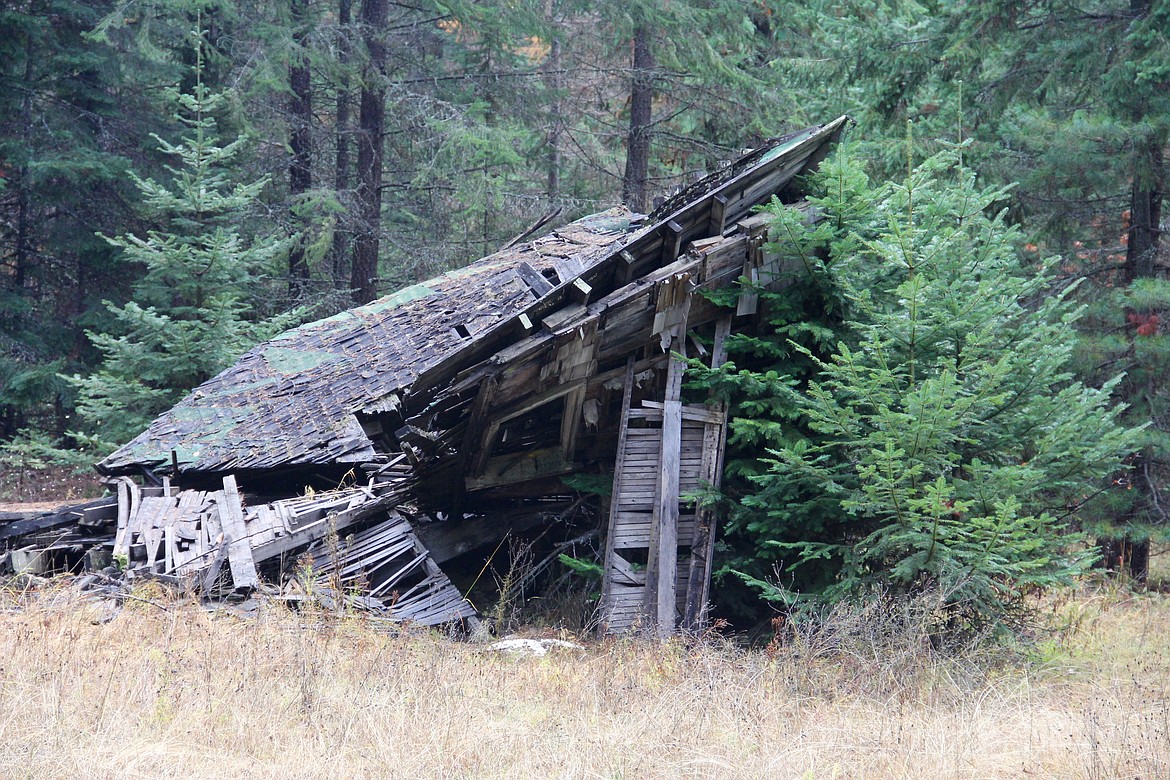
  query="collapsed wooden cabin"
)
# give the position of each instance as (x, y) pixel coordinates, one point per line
(456, 407)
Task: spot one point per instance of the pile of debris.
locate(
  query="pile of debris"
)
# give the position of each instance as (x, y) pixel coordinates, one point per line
(209, 542)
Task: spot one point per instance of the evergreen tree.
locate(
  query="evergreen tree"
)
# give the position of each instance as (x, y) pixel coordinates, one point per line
(1073, 101)
(199, 302)
(937, 441)
(69, 111)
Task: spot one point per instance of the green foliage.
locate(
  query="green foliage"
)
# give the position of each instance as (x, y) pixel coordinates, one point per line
(198, 302)
(589, 569)
(34, 450)
(925, 432)
(590, 484)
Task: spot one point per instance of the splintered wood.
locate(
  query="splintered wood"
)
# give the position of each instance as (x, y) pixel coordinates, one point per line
(189, 534)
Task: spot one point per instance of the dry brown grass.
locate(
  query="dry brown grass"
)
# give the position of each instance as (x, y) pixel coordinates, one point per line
(189, 694)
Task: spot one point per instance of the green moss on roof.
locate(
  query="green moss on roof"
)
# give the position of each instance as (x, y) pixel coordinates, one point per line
(292, 361)
(405, 295)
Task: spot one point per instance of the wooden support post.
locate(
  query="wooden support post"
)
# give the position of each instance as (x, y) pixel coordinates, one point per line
(703, 542)
(662, 565)
(626, 269)
(748, 296)
(473, 451)
(571, 420)
(671, 241)
(718, 215)
(576, 362)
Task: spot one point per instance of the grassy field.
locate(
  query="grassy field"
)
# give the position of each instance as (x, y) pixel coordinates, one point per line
(168, 690)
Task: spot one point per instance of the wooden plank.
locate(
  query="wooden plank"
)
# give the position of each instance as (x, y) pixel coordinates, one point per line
(749, 296)
(533, 279)
(216, 565)
(672, 236)
(571, 421)
(625, 267)
(512, 468)
(661, 567)
(128, 502)
(579, 291)
(718, 215)
(693, 412)
(170, 548)
(231, 515)
(706, 518)
(476, 437)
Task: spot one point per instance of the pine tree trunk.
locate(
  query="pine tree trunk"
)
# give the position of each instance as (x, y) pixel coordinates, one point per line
(341, 176)
(371, 119)
(24, 242)
(300, 170)
(1145, 208)
(1148, 189)
(552, 82)
(634, 184)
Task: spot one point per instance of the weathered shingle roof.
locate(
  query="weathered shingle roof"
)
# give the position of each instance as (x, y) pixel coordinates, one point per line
(291, 400)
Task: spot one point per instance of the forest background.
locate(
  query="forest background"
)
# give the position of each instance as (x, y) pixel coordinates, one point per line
(335, 151)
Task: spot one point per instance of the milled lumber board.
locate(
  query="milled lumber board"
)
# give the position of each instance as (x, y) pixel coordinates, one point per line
(741, 203)
(661, 567)
(717, 221)
(672, 236)
(624, 611)
(476, 439)
(128, 500)
(572, 315)
(170, 548)
(533, 279)
(360, 567)
(618, 470)
(689, 411)
(152, 537)
(265, 517)
(625, 572)
(637, 535)
(219, 555)
(231, 515)
(571, 421)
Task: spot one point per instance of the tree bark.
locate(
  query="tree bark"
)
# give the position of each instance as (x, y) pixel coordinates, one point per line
(300, 169)
(634, 184)
(552, 83)
(371, 120)
(341, 128)
(1145, 209)
(1147, 191)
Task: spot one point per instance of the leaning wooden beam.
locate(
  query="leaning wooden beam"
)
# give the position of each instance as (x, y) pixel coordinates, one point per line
(231, 514)
(662, 564)
(62, 517)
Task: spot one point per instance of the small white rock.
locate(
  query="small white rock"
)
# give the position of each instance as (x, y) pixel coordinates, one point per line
(531, 646)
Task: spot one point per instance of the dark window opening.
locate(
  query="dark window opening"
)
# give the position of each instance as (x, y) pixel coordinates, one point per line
(532, 430)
